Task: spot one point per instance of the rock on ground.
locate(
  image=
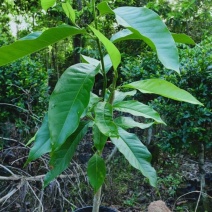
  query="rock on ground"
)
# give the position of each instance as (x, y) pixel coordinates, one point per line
(158, 206)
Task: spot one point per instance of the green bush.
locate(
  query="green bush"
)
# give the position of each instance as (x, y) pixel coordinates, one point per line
(188, 124)
(24, 94)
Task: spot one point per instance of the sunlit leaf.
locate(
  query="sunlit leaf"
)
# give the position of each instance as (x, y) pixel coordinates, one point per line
(113, 52)
(69, 11)
(47, 3)
(104, 8)
(183, 38)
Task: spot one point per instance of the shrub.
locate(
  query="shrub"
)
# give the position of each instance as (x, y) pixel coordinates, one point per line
(24, 93)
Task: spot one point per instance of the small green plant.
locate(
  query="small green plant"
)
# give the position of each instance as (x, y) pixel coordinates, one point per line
(171, 182)
(130, 201)
(73, 108)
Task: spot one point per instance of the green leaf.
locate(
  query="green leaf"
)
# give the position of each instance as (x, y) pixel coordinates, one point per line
(126, 34)
(94, 62)
(69, 100)
(138, 109)
(104, 119)
(30, 140)
(136, 153)
(183, 38)
(147, 25)
(96, 171)
(47, 3)
(113, 52)
(42, 142)
(90, 60)
(69, 11)
(143, 21)
(163, 88)
(94, 99)
(61, 158)
(120, 96)
(98, 138)
(104, 8)
(128, 122)
(35, 42)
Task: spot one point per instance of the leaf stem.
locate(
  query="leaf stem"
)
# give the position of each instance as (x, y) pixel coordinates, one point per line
(100, 51)
(113, 87)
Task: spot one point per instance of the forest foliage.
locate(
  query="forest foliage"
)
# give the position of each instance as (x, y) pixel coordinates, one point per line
(180, 18)
(26, 85)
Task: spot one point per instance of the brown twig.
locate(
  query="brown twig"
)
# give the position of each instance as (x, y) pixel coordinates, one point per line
(187, 194)
(33, 178)
(7, 196)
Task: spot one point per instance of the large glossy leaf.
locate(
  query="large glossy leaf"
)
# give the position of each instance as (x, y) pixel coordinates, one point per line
(104, 8)
(90, 60)
(104, 119)
(69, 100)
(113, 52)
(94, 62)
(61, 158)
(69, 11)
(136, 153)
(47, 3)
(42, 143)
(128, 122)
(163, 88)
(138, 109)
(126, 34)
(35, 42)
(96, 171)
(146, 24)
(99, 138)
(120, 96)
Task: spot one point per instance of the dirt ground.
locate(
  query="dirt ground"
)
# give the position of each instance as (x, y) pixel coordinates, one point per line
(125, 189)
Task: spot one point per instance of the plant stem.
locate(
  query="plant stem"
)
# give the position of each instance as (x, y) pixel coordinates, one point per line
(97, 196)
(113, 87)
(97, 200)
(100, 52)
